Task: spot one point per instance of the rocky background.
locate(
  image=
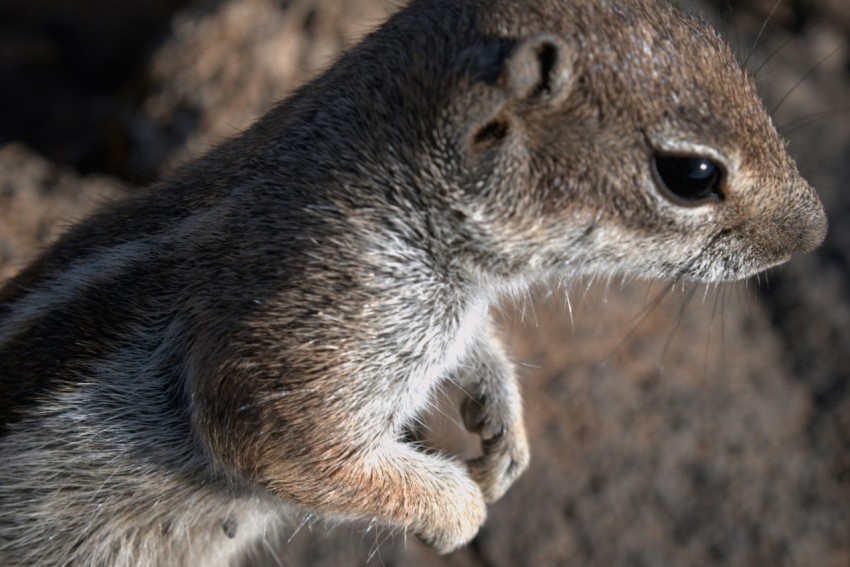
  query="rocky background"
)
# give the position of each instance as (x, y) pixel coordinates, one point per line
(683, 426)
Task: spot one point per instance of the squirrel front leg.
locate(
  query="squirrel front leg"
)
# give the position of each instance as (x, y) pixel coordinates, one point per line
(493, 410)
(389, 481)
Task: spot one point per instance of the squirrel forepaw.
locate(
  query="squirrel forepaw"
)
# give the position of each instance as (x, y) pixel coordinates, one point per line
(504, 443)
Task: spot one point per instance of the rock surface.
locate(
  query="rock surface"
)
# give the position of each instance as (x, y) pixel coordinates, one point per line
(38, 200)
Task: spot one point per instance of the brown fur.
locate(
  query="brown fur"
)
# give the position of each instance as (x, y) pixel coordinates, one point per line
(261, 328)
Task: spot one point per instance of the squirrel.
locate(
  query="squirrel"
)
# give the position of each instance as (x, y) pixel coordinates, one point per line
(256, 333)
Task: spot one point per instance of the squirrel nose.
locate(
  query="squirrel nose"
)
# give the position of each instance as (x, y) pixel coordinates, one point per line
(806, 221)
(816, 231)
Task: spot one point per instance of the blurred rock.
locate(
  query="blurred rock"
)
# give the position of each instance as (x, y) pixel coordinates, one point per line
(38, 200)
(227, 63)
(71, 73)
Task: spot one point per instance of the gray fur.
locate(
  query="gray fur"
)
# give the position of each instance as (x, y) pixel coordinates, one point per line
(255, 333)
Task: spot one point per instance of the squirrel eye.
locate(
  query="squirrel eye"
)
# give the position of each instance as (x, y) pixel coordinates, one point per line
(689, 180)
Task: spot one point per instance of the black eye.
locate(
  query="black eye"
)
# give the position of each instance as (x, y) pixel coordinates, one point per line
(693, 180)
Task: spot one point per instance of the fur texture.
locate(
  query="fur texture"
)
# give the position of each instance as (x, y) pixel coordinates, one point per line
(258, 331)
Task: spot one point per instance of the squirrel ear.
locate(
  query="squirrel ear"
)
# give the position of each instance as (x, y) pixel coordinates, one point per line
(535, 71)
(538, 69)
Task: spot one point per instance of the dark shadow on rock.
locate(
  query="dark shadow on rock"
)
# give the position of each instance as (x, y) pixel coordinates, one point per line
(71, 73)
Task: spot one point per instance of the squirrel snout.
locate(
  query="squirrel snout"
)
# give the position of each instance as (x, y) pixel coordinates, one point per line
(814, 236)
(816, 233)
(811, 222)
(798, 226)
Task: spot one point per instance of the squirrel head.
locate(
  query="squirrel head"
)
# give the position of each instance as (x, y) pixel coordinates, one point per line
(623, 138)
